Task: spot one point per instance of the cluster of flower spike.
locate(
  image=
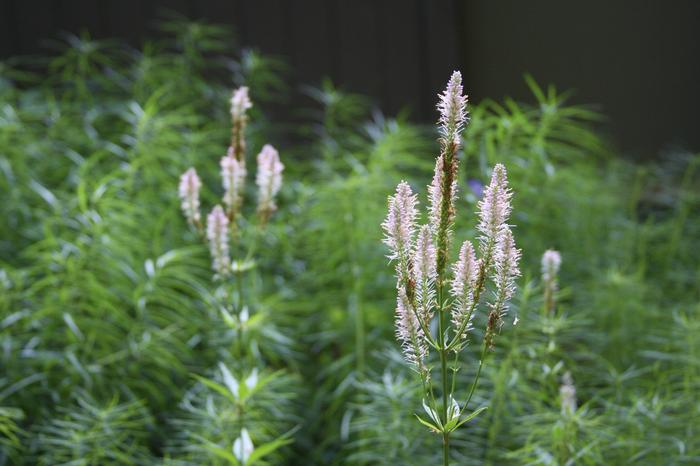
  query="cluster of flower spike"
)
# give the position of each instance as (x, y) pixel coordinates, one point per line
(421, 252)
(221, 223)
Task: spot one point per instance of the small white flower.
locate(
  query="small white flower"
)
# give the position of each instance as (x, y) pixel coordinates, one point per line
(229, 380)
(252, 380)
(243, 447)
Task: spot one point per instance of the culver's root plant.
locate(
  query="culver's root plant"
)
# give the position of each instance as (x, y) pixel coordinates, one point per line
(228, 233)
(436, 304)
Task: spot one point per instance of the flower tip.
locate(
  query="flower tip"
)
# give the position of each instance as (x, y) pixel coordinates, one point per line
(499, 172)
(455, 79)
(240, 102)
(452, 106)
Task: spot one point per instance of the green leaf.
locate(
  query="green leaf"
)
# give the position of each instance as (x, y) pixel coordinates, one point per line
(267, 448)
(470, 417)
(215, 386)
(222, 453)
(430, 426)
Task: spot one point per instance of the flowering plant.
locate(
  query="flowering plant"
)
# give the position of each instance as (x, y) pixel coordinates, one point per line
(222, 229)
(222, 223)
(435, 309)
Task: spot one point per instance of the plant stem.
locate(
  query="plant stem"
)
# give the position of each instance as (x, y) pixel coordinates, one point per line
(446, 449)
(443, 370)
(476, 378)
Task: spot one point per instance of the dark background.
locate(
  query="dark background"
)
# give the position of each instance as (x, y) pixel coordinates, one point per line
(636, 60)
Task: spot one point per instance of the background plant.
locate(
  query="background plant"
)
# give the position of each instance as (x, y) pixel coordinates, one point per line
(107, 296)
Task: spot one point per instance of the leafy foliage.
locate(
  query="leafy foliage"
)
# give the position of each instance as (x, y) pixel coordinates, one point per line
(111, 332)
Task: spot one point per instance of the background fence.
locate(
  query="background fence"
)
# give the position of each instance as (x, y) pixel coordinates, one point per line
(637, 59)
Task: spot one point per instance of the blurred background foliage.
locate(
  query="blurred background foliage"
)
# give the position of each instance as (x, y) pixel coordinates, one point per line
(109, 321)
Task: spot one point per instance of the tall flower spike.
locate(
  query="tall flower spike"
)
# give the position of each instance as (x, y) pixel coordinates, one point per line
(189, 196)
(435, 195)
(424, 270)
(567, 395)
(217, 234)
(240, 103)
(399, 229)
(409, 333)
(506, 257)
(494, 210)
(453, 110)
(269, 181)
(453, 115)
(233, 175)
(463, 284)
(551, 261)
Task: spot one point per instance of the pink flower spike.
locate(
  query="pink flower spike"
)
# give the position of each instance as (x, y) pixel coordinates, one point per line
(494, 210)
(188, 191)
(399, 228)
(409, 333)
(217, 235)
(233, 175)
(551, 261)
(465, 273)
(453, 110)
(240, 103)
(268, 179)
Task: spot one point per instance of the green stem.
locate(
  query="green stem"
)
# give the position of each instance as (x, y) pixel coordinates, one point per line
(443, 370)
(446, 449)
(476, 379)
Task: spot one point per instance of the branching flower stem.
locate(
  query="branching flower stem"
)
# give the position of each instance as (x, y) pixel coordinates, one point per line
(421, 255)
